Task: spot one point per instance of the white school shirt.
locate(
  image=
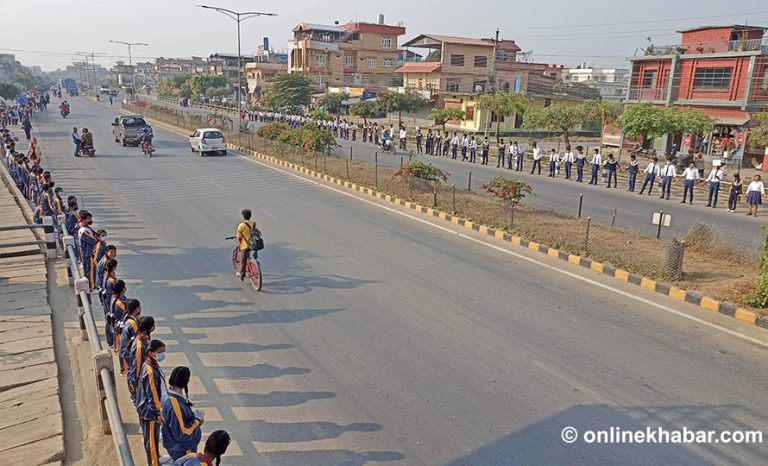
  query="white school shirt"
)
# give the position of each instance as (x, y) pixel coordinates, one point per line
(465, 142)
(716, 175)
(691, 174)
(521, 149)
(568, 157)
(403, 134)
(473, 144)
(669, 170)
(536, 153)
(554, 157)
(597, 159)
(756, 186)
(581, 156)
(652, 168)
(455, 141)
(512, 150)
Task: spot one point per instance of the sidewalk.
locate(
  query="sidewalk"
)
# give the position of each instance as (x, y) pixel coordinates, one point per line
(31, 422)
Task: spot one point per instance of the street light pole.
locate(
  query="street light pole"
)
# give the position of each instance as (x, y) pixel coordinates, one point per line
(238, 16)
(130, 63)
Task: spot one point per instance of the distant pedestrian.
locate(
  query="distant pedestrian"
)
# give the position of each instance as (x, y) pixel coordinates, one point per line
(520, 156)
(568, 160)
(464, 147)
(419, 138)
(536, 158)
(485, 148)
(553, 160)
(714, 178)
(633, 169)
(454, 145)
(700, 164)
(26, 125)
(651, 172)
(612, 166)
(472, 149)
(668, 173)
(502, 152)
(755, 192)
(581, 160)
(77, 140)
(403, 137)
(596, 161)
(690, 176)
(734, 193)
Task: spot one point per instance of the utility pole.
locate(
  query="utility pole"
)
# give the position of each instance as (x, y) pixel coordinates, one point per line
(130, 63)
(492, 79)
(238, 16)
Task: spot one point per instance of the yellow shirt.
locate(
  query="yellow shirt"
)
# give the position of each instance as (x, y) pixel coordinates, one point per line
(244, 232)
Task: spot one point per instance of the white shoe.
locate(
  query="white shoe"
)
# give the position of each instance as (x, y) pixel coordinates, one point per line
(165, 459)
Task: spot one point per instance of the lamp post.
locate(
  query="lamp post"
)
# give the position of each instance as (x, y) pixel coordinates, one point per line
(130, 63)
(238, 16)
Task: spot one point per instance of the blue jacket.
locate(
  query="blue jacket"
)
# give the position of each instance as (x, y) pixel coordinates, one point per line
(181, 431)
(49, 204)
(73, 218)
(137, 354)
(129, 328)
(152, 391)
(87, 243)
(106, 296)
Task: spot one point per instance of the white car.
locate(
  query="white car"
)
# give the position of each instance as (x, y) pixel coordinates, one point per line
(208, 140)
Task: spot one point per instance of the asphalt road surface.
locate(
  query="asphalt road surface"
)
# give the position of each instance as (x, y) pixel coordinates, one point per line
(632, 210)
(383, 337)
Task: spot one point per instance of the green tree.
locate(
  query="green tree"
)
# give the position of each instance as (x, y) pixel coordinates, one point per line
(604, 113)
(503, 104)
(200, 83)
(289, 90)
(10, 90)
(332, 101)
(365, 109)
(218, 92)
(393, 101)
(558, 117)
(758, 136)
(692, 121)
(644, 120)
(443, 115)
(23, 78)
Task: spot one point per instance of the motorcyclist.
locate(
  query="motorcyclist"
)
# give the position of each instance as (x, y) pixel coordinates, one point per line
(146, 137)
(87, 139)
(386, 140)
(64, 107)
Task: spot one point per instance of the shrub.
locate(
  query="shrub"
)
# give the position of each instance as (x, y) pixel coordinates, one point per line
(424, 171)
(506, 189)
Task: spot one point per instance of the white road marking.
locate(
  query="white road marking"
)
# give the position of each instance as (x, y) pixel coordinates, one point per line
(578, 386)
(626, 294)
(268, 214)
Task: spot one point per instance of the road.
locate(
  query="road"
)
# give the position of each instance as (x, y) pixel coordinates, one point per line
(383, 338)
(633, 211)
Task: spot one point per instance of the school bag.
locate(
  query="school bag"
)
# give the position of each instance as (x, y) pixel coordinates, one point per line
(255, 241)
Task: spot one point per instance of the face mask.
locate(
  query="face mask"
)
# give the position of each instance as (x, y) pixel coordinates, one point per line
(160, 357)
(89, 222)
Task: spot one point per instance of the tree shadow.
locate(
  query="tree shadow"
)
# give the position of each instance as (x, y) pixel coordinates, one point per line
(327, 457)
(270, 432)
(256, 371)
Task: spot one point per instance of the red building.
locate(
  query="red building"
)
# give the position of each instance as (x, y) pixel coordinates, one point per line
(720, 70)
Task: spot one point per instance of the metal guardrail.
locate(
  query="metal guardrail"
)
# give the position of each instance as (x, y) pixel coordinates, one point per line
(111, 420)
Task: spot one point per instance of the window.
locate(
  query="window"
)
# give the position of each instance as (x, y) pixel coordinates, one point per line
(386, 42)
(457, 60)
(481, 61)
(371, 62)
(506, 86)
(712, 78)
(649, 79)
(432, 84)
(388, 62)
(349, 62)
(470, 113)
(478, 86)
(411, 84)
(452, 86)
(764, 84)
(321, 60)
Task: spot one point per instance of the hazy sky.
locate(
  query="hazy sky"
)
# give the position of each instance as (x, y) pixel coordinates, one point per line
(601, 32)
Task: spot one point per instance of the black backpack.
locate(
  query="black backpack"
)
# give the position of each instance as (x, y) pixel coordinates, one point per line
(255, 241)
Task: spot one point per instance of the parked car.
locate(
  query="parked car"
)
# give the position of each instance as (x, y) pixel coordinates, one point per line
(128, 129)
(207, 140)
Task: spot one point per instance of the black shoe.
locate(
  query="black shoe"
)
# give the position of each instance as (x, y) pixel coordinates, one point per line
(682, 202)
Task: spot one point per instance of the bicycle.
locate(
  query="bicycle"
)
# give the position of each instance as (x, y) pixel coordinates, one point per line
(252, 268)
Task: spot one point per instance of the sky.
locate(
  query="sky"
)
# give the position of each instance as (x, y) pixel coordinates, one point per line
(603, 33)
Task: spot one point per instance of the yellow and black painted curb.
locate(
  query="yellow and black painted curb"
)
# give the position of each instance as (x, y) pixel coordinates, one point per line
(692, 297)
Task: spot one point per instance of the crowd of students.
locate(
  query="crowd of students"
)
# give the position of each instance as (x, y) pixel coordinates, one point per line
(166, 414)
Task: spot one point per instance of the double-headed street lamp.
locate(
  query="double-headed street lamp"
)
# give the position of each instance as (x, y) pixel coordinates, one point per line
(238, 17)
(130, 63)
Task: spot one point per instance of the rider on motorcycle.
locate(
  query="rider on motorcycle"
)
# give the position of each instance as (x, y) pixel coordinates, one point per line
(64, 107)
(386, 140)
(87, 139)
(146, 137)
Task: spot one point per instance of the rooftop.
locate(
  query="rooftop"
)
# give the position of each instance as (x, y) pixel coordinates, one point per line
(728, 26)
(420, 67)
(318, 27)
(436, 41)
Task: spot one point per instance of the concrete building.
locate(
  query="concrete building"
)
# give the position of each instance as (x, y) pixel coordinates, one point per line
(166, 68)
(258, 75)
(354, 54)
(611, 82)
(720, 70)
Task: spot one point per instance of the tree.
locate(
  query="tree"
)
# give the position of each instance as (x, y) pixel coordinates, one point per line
(604, 112)
(558, 117)
(503, 104)
(218, 92)
(393, 101)
(642, 119)
(444, 115)
(10, 90)
(289, 90)
(758, 136)
(200, 83)
(332, 101)
(365, 109)
(691, 121)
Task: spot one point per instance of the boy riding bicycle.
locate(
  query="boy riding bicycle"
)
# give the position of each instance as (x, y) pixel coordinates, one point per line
(245, 230)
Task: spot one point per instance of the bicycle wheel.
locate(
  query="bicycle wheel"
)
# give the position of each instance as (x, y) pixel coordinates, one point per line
(236, 259)
(254, 272)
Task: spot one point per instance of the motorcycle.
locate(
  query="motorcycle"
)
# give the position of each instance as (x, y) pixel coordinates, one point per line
(388, 146)
(146, 147)
(88, 149)
(64, 112)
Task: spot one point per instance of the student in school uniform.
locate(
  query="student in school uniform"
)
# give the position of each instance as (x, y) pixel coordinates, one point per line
(568, 160)
(87, 245)
(690, 175)
(149, 400)
(553, 159)
(137, 354)
(511, 155)
(734, 193)
(536, 158)
(129, 328)
(108, 286)
(485, 148)
(633, 170)
(596, 161)
(181, 425)
(454, 145)
(464, 147)
(419, 139)
(438, 151)
(520, 156)
(714, 178)
(117, 308)
(215, 447)
(502, 151)
(755, 192)
(651, 173)
(472, 149)
(447, 144)
(668, 173)
(612, 167)
(581, 160)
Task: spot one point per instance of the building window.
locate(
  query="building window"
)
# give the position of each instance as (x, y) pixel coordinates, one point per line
(506, 86)
(321, 60)
(649, 79)
(432, 84)
(388, 62)
(764, 84)
(386, 42)
(481, 61)
(349, 62)
(452, 86)
(411, 84)
(478, 86)
(371, 62)
(712, 78)
(470, 113)
(457, 60)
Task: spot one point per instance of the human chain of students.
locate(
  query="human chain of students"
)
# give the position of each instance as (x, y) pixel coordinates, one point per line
(164, 409)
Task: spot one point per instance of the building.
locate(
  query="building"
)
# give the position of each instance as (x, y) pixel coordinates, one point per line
(258, 75)
(167, 68)
(124, 74)
(720, 70)
(612, 83)
(354, 54)
(265, 54)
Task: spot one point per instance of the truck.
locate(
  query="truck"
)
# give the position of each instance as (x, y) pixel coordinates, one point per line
(127, 129)
(70, 85)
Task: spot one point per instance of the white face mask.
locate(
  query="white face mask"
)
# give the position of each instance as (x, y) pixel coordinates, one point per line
(160, 357)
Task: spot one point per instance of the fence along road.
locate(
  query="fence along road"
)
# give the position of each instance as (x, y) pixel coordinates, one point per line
(633, 211)
(372, 328)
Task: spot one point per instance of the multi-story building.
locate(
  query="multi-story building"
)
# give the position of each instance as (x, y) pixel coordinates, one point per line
(720, 70)
(612, 83)
(166, 68)
(258, 75)
(354, 54)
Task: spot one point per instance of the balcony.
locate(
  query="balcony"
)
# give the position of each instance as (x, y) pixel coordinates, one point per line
(752, 45)
(748, 45)
(648, 95)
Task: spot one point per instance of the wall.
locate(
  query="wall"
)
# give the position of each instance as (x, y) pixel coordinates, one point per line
(739, 77)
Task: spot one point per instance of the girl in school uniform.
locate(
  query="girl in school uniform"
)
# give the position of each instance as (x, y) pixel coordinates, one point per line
(737, 187)
(149, 400)
(755, 194)
(215, 447)
(181, 425)
(118, 304)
